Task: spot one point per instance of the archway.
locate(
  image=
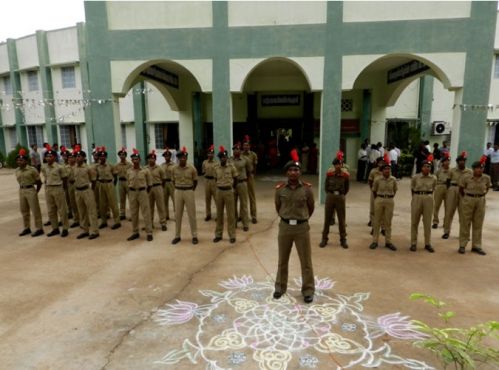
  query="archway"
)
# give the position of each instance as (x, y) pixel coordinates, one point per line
(276, 109)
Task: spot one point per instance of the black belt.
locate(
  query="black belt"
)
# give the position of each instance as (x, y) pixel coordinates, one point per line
(81, 188)
(288, 221)
(105, 181)
(71, 182)
(423, 192)
(474, 195)
(168, 180)
(26, 186)
(54, 185)
(441, 183)
(157, 184)
(385, 196)
(137, 189)
(122, 178)
(239, 180)
(189, 188)
(210, 177)
(453, 184)
(224, 187)
(335, 192)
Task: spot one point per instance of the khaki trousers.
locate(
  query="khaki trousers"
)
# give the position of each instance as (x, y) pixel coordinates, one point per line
(472, 215)
(383, 215)
(107, 199)
(300, 235)
(252, 195)
(421, 205)
(439, 197)
(241, 193)
(451, 204)
(72, 202)
(210, 191)
(169, 193)
(96, 196)
(123, 192)
(55, 198)
(334, 203)
(28, 201)
(156, 196)
(185, 198)
(139, 200)
(85, 201)
(225, 198)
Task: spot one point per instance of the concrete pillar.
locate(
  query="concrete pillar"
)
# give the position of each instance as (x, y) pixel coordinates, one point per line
(456, 125)
(139, 114)
(424, 106)
(378, 118)
(365, 120)
(17, 98)
(185, 129)
(197, 124)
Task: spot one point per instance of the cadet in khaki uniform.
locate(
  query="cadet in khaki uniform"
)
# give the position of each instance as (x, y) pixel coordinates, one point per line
(139, 184)
(156, 195)
(28, 177)
(373, 175)
(422, 187)
(65, 163)
(473, 189)
(55, 182)
(294, 202)
(208, 170)
(453, 198)
(106, 177)
(85, 178)
(241, 190)
(440, 195)
(225, 180)
(71, 189)
(336, 185)
(122, 168)
(169, 189)
(95, 157)
(252, 158)
(384, 190)
(185, 180)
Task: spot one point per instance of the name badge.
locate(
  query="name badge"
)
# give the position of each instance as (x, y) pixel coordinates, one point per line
(293, 222)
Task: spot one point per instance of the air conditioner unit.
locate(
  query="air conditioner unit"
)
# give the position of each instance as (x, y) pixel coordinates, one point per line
(441, 128)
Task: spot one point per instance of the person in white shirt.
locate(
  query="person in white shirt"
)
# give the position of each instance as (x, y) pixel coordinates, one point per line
(381, 149)
(362, 160)
(487, 152)
(394, 160)
(494, 167)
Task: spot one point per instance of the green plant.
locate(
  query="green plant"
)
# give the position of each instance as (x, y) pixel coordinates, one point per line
(406, 163)
(11, 157)
(2, 158)
(463, 348)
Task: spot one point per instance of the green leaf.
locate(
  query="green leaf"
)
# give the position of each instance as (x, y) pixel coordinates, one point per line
(447, 315)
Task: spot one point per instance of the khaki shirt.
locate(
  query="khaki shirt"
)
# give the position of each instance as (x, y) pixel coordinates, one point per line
(252, 158)
(374, 174)
(168, 168)
(84, 175)
(337, 182)
(54, 174)
(122, 168)
(105, 171)
(456, 173)
(157, 174)
(242, 166)
(293, 204)
(385, 186)
(208, 168)
(442, 176)
(475, 185)
(224, 175)
(423, 183)
(70, 172)
(138, 178)
(184, 177)
(27, 176)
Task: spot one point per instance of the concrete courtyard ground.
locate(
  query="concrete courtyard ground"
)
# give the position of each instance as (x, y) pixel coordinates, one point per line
(113, 304)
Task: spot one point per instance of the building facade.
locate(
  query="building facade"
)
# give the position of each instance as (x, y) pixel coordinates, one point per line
(156, 74)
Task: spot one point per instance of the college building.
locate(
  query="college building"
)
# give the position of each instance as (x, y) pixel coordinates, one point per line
(156, 74)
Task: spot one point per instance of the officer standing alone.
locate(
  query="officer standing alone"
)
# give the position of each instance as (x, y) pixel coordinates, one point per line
(294, 202)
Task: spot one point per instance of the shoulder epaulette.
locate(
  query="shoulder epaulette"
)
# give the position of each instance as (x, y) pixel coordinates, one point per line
(307, 184)
(280, 185)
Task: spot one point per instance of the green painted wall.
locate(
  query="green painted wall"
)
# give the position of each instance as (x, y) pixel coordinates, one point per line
(85, 81)
(15, 81)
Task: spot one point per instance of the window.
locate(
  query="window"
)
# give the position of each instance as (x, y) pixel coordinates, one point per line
(7, 86)
(166, 135)
(68, 77)
(70, 135)
(123, 135)
(35, 135)
(32, 80)
(11, 133)
(346, 105)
